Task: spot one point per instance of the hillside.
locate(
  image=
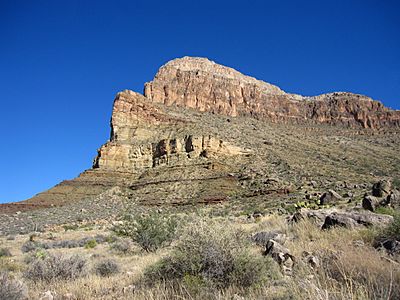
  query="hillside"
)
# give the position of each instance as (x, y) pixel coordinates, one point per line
(216, 185)
(205, 133)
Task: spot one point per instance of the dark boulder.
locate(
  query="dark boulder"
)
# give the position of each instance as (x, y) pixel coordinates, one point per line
(339, 220)
(391, 246)
(371, 203)
(381, 188)
(330, 197)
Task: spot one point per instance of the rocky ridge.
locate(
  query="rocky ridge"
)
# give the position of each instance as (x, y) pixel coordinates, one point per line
(203, 132)
(206, 86)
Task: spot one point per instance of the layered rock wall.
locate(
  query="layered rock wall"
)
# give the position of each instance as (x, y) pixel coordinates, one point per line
(206, 86)
(197, 83)
(176, 151)
(137, 141)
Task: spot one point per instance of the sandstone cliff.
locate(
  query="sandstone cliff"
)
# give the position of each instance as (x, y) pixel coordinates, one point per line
(143, 136)
(206, 86)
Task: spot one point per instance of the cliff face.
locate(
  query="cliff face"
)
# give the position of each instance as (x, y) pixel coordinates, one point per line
(165, 150)
(206, 86)
(143, 136)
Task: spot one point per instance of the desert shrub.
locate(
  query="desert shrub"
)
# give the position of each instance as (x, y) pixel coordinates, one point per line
(70, 227)
(9, 265)
(39, 254)
(396, 183)
(29, 246)
(107, 267)
(5, 252)
(250, 270)
(90, 244)
(62, 244)
(111, 238)
(151, 231)
(214, 254)
(11, 289)
(53, 267)
(368, 234)
(122, 245)
(393, 230)
(385, 210)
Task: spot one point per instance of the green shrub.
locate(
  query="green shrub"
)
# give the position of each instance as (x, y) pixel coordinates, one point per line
(396, 183)
(151, 231)
(393, 230)
(106, 268)
(214, 254)
(11, 289)
(251, 270)
(55, 267)
(90, 244)
(384, 210)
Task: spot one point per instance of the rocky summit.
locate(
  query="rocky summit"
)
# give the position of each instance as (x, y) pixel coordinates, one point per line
(203, 85)
(205, 133)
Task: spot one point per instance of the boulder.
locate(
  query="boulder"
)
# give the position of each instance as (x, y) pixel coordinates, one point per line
(391, 246)
(48, 295)
(261, 238)
(281, 255)
(317, 216)
(370, 219)
(371, 202)
(338, 217)
(311, 260)
(339, 220)
(330, 197)
(381, 188)
(69, 296)
(394, 199)
(348, 195)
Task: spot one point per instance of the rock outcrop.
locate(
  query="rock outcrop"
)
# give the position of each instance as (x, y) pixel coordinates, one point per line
(143, 136)
(327, 218)
(198, 134)
(203, 85)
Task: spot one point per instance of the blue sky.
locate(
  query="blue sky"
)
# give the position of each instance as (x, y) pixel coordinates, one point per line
(62, 62)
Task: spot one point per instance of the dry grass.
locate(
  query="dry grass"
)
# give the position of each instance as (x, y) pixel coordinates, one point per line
(348, 269)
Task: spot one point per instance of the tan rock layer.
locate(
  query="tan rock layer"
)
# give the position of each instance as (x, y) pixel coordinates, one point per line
(175, 151)
(131, 114)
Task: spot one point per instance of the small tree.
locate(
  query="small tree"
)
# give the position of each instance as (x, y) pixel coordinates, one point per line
(151, 231)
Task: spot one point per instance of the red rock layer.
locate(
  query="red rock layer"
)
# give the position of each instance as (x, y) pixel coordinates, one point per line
(206, 86)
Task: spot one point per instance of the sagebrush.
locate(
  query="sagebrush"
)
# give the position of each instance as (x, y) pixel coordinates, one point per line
(151, 231)
(11, 289)
(56, 267)
(216, 255)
